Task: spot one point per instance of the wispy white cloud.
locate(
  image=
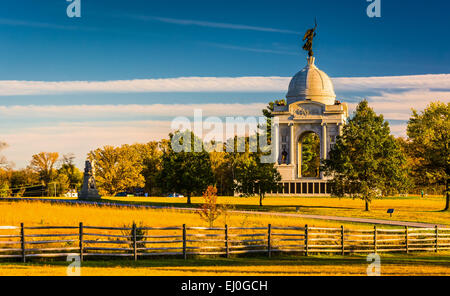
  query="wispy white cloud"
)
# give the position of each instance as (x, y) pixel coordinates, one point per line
(181, 84)
(217, 84)
(209, 24)
(428, 81)
(398, 105)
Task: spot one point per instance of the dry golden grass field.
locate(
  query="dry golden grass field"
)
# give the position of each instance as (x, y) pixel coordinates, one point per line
(42, 214)
(414, 209)
(407, 209)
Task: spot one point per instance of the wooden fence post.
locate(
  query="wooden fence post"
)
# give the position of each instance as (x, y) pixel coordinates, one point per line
(226, 241)
(81, 241)
(433, 240)
(134, 241)
(437, 237)
(306, 240)
(406, 239)
(375, 239)
(22, 242)
(184, 242)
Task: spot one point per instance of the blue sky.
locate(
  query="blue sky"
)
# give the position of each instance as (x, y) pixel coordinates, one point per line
(142, 39)
(153, 40)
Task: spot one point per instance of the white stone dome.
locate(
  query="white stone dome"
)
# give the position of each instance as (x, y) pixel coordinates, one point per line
(311, 84)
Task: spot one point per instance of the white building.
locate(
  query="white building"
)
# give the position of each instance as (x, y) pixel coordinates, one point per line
(311, 109)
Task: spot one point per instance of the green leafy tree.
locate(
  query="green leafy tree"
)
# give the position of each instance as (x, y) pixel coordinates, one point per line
(252, 177)
(4, 189)
(267, 113)
(429, 134)
(310, 155)
(186, 172)
(223, 172)
(117, 169)
(151, 155)
(60, 185)
(366, 160)
(68, 169)
(5, 182)
(23, 178)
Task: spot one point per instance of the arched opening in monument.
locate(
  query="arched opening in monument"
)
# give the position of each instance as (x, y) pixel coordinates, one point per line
(309, 155)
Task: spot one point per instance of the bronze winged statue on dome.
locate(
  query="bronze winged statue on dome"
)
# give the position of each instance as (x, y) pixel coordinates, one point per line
(309, 36)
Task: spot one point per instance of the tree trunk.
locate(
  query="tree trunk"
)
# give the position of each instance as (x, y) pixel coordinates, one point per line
(260, 200)
(447, 202)
(189, 199)
(367, 206)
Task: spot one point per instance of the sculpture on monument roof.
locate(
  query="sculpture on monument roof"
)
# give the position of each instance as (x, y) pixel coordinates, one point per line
(309, 36)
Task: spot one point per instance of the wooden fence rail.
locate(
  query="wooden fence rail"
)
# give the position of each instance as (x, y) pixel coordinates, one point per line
(24, 242)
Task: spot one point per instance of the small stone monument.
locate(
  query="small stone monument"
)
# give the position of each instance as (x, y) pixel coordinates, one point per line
(89, 190)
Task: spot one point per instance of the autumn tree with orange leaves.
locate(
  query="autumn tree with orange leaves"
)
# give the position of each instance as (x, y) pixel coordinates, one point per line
(209, 211)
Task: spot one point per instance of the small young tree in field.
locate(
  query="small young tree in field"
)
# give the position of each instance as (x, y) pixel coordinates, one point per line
(366, 160)
(210, 211)
(140, 234)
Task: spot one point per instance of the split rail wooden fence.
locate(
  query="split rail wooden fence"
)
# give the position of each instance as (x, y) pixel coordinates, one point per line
(24, 242)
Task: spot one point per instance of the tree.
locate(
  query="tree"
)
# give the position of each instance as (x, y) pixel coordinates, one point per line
(23, 178)
(222, 170)
(187, 172)
(429, 133)
(267, 113)
(151, 155)
(43, 163)
(254, 177)
(116, 169)
(70, 171)
(310, 155)
(209, 210)
(366, 161)
(61, 185)
(4, 189)
(412, 181)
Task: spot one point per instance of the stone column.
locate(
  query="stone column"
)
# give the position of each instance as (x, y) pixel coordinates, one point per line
(291, 149)
(324, 145)
(340, 129)
(324, 141)
(276, 141)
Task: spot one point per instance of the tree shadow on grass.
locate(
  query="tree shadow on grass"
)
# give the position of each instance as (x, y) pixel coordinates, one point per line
(436, 260)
